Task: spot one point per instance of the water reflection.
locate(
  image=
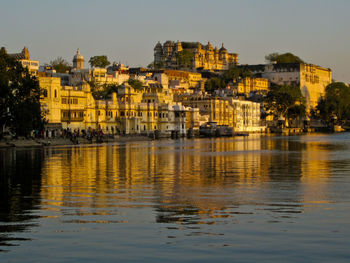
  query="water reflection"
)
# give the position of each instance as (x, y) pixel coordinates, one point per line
(185, 184)
(188, 182)
(20, 183)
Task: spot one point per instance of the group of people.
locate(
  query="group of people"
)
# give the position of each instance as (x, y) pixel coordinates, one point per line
(68, 133)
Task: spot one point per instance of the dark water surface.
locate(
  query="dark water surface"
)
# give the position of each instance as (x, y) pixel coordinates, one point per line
(251, 199)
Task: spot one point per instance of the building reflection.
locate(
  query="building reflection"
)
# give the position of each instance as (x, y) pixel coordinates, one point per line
(185, 181)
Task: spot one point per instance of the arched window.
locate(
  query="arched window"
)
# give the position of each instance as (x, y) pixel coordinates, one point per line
(55, 93)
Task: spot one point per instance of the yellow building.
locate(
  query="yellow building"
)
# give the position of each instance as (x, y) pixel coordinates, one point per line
(204, 57)
(238, 114)
(66, 106)
(129, 111)
(313, 82)
(311, 79)
(247, 85)
(24, 59)
(192, 79)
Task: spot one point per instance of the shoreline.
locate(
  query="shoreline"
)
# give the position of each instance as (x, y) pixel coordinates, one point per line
(38, 143)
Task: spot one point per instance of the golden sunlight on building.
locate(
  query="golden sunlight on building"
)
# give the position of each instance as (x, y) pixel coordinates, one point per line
(24, 59)
(247, 85)
(204, 57)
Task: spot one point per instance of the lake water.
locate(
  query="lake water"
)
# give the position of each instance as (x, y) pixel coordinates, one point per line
(243, 199)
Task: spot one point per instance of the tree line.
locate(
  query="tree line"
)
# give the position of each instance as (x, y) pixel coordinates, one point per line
(63, 66)
(20, 110)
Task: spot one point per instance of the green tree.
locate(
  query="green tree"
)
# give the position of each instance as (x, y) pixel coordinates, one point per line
(214, 83)
(19, 97)
(285, 101)
(336, 102)
(102, 91)
(234, 73)
(283, 58)
(184, 58)
(135, 83)
(60, 65)
(99, 61)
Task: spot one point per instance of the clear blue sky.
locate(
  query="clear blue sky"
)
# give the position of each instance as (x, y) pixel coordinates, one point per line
(316, 30)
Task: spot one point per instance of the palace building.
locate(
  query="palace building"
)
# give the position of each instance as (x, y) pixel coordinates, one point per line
(311, 79)
(69, 100)
(202, 57)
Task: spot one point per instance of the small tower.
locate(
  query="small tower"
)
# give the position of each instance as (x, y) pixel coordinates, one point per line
(158, 52)
(223, 53)
(210, 47)
(178, 46)
(223, 49)
(216, 53)
(25, 53)
(78, 60)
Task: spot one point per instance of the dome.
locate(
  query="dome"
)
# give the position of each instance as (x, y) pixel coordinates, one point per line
(168, 43)
(78, 60)
(223, 49)
(158, 46)
(209, 46)
(78, 56)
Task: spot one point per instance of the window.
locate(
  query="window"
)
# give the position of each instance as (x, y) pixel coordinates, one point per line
(45, 93)
(55, 93)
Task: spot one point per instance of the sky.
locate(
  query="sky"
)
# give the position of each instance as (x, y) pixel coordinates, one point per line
(318, 31)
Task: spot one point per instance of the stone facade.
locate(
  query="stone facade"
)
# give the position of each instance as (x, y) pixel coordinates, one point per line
(247, 85)
(242, 116)
(156, 107)
(203, 57)
(130, 111)
(311, 79)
